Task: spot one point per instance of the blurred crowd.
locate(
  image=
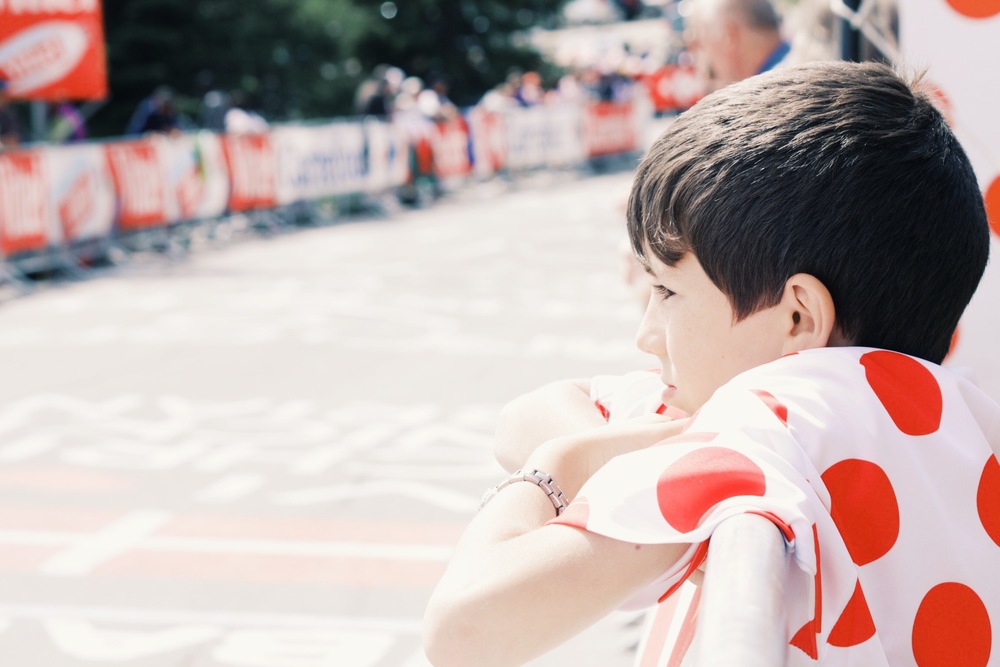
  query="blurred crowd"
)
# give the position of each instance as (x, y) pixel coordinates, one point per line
(722, 40)
(389, 93)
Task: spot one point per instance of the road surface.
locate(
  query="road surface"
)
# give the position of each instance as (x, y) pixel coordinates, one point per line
(261, 455)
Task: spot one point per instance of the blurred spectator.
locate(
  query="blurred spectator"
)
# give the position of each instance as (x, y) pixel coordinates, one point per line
(67, 123)
(528, 92)
(569, 89)
(214, 106)
(406, 111)
(10, 130)
(241, 118)
(500, 97)
(611, 85)
(376, 95)
(434, 103)
(419, 131)
(731, 40)
(155, 113)
(630, 9)
(811, 28)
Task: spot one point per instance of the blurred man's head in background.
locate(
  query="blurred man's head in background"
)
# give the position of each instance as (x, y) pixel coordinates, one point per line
(731, 40)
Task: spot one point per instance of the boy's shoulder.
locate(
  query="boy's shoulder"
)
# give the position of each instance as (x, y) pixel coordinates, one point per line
(829, 368)
(854, 392)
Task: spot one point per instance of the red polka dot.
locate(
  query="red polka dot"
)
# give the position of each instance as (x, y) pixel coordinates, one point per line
(952, 628)
(863, 505)
(576, 515)
(976, 9)
(779, 409)
(699, 480)
(855, 624)
(992, 198)
(805, 640)
(604, 411)
(907, 390)
(988, 499)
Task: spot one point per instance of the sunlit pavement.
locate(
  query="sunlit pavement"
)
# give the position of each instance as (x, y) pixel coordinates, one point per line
(261, 455)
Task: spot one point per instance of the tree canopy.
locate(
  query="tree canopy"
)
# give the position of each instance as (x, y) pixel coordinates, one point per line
(303, 59)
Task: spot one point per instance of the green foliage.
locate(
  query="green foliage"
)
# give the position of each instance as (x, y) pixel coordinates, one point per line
(303, 59)
(474, 43)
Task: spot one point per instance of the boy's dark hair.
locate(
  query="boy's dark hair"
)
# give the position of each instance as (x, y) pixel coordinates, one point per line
(844, 171)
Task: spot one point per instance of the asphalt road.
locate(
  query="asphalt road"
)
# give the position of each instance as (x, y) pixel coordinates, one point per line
(261, 454)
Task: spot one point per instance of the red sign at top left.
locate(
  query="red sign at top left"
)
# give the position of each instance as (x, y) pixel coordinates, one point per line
(53, 49)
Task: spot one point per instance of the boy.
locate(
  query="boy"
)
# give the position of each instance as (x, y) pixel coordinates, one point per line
(812, 236)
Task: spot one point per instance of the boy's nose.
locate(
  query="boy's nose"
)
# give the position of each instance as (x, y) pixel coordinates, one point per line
(650, 336)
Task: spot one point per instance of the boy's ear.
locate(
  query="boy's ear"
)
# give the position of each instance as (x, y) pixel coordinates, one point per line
(811, 322)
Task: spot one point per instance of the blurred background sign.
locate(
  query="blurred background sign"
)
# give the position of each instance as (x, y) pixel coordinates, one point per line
(53, 51)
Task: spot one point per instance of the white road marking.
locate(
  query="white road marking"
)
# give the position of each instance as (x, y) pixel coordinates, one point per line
(432, 494)
(230, 488)
(27, 447)
(79, 559)
(92, 549)
(80, 639)
(312, 647)
(225, 618)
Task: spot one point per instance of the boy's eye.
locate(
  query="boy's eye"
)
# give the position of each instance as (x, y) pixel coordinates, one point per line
(663, 291)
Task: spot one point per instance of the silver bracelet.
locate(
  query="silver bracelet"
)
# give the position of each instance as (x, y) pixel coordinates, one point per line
(544, 482)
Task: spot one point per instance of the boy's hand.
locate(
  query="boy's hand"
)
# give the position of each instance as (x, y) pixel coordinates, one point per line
(555, 410)
(572, 460)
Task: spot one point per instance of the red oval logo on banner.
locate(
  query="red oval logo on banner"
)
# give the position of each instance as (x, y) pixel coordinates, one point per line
(41, 55)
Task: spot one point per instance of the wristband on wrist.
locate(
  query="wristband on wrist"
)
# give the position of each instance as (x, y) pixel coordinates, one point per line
(537, 477)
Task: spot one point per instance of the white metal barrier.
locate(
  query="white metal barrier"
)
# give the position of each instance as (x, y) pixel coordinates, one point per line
(741, 620)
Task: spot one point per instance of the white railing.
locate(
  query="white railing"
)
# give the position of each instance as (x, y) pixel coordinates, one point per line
(741, 620)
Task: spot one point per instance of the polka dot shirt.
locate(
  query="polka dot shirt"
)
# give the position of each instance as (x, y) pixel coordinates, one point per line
(879, 469)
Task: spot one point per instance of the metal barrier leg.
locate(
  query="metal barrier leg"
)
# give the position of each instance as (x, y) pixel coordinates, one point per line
(741, 620)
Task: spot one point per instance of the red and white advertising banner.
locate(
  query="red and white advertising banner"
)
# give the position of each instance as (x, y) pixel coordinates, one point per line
(450, 147)
(25, 213)
(489, 148)
(610, 128)
(673, 88)
(543, 136)
(81, 191)
(197, 179)
(139, 174)
(958, 42)
(250, 159)
(53, 49)
(388, 155)
(319, 161)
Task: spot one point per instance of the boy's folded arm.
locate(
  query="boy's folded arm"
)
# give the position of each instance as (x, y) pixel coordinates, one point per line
(517, 588)
(513, 588)
(554, 410)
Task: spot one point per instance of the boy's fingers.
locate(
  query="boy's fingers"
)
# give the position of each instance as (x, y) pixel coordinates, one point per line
(674, 413)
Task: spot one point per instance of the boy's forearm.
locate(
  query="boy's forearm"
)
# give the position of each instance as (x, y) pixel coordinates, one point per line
(555, 410)
(513, 590)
